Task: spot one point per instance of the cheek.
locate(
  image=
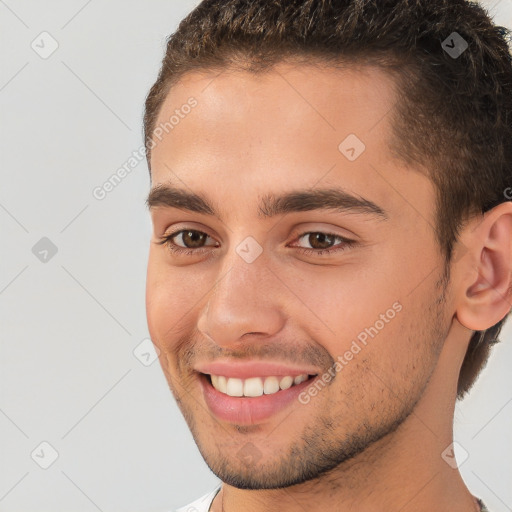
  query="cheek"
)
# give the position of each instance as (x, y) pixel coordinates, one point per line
(172, 296)
(365, 311)
(343, 301)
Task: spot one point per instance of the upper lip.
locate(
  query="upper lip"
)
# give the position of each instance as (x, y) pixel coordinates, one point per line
(247, 369)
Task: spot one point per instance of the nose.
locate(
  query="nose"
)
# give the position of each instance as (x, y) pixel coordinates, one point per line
(244, 300)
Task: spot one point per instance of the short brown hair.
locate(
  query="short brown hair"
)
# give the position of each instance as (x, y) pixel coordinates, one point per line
(453, 119)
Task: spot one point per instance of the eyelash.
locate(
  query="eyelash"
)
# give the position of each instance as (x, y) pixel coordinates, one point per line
(167, 240)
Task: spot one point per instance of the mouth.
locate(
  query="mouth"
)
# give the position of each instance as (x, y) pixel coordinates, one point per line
(252, 400)
(255, 386)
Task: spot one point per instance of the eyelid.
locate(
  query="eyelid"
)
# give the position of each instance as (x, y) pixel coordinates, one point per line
(327, 228)
(185, 226)
(175, 234)
(302, 234)
(180, 251)
(330, 230)
(296, 233)
(335, 250)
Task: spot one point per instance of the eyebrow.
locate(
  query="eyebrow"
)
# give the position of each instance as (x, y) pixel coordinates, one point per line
(271, 205)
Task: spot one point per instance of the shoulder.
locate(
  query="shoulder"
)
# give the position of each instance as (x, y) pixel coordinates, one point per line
(202, 504)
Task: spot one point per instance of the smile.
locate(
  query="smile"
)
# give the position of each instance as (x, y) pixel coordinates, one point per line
(252, 400)
(255, 386)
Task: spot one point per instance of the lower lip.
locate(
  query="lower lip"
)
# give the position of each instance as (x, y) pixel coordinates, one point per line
(249, 410)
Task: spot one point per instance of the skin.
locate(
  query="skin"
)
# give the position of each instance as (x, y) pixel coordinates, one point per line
(372, 439)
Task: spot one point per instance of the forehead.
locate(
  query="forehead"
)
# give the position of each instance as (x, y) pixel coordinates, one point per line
(296, 102)
(289, 125)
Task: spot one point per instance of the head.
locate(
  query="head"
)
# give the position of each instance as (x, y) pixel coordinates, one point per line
(273, 92)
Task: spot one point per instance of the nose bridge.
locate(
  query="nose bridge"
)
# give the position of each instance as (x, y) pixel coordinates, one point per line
(239, 301)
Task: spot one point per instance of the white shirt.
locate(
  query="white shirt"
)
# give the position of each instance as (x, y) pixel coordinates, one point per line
(202, 504)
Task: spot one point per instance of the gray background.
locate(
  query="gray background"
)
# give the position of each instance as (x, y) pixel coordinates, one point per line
(71, 321)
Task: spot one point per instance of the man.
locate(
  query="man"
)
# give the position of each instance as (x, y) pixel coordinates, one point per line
(331, 256)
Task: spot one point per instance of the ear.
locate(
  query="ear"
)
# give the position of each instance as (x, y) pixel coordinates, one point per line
(484, 295)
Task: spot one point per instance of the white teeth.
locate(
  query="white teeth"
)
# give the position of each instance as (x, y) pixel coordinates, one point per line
(299, 379)
(235, 387)
(222, 384)
(271, 385)
(286, 382)
(254, 386)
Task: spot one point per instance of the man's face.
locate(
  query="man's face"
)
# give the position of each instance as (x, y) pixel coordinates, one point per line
(251, 287)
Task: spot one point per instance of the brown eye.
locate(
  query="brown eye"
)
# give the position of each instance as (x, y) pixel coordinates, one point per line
(192, 242)
(191, 239)
(320, 240)
(323, 244)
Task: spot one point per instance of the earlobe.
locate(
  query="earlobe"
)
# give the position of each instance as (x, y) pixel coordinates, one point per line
(486, 293)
